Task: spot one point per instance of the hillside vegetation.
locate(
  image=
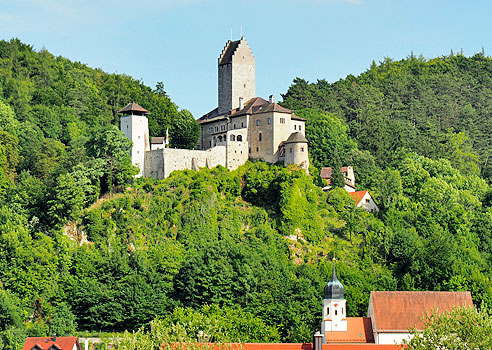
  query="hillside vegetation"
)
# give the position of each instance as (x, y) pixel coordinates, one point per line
(242, 255)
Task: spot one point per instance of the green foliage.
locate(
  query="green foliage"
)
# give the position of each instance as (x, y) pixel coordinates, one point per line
(185, 132)
(459, 328)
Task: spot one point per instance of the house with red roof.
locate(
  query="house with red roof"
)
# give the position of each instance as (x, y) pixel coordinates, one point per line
(390, 315)
(363, 199)
(51, 343)
(348, 174)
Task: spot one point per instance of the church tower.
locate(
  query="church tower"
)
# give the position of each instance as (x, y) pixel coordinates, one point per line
(135, 125)
(236, 75)
(334, 308)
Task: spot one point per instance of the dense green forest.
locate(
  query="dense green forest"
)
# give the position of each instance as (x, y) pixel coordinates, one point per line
(243, 255)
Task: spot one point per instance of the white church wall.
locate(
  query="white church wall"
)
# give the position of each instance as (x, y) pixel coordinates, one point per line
(392, 338)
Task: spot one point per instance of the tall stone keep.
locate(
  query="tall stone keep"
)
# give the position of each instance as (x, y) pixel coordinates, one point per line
(135, 125)
(236, 75)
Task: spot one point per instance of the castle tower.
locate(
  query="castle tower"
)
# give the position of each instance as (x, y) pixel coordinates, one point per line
(334, 308)
(236, 75)
(135, 125)
(296, 151)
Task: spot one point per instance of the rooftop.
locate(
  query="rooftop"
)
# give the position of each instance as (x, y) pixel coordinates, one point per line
(45, 343)
(399, 311)
(133, 107)
(255, 105)
(359, 330)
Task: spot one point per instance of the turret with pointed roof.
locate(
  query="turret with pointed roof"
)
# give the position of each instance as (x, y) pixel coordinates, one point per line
(334, 289)
(334, 306)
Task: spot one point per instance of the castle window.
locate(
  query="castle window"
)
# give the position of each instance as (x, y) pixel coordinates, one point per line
(222, 127)
(259, 137)
(290, 150)
(239, 138)
(300, 127)
(342, 310)
(257, 149)
(282, 120)
(257, 122)
(216, 128)
(127, 126)
(367, 200)
(336, 312)
(302, 149)
(242, 124)
(210, 143)
(244, 85)
(328, 310)
(234, 126)
(250, 150)
(295, 127)
(220, 138)
(233, 138)
(269, 120)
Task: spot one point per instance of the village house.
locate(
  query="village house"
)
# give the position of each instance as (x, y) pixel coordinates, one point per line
(390, 314)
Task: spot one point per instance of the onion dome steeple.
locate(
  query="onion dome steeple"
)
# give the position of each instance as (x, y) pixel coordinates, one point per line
(334, 289)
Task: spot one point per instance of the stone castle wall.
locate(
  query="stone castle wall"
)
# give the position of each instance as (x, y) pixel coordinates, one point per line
(160, 163)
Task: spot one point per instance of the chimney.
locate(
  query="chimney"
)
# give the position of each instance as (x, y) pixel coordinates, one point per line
(54, 338)
(272, 99)
(241, 104)
(317, 341)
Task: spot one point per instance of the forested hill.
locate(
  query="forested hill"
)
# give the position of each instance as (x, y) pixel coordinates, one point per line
(438, 108)
(242, 255)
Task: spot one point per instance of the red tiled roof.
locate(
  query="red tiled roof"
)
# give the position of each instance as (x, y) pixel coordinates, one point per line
(277, 346)
(295, 346)
(309, 346)
(399, 311)
(363, 347)
(327, 171)
(133, 107)
(44, 343)
(359, 330)
(357, 196)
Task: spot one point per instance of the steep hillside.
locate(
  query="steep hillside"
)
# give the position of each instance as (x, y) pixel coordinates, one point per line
(249, 250)
(438, 108)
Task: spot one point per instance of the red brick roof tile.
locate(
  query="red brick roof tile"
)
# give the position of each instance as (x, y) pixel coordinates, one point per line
(44, 343)
(357, 196)
(359, 330)
(399, 311)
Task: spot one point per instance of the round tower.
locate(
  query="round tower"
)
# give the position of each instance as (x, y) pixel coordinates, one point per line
(334, 306)
(296, 151)
(135, 125)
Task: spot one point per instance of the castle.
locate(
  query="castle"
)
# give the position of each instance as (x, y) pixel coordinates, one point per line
(242, 127)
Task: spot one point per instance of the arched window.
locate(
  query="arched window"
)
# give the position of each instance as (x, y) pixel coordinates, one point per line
(259, 137)
(233, 138)
(336, 312)
(239, 137)
(220, 138)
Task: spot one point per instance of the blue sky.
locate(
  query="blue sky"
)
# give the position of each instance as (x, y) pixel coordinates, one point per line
(178, 41)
